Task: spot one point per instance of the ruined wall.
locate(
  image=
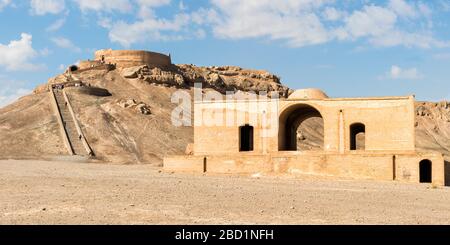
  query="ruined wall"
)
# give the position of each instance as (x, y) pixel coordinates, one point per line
(130, 58)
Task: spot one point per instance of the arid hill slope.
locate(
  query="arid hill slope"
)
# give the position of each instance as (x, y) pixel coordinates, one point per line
(133, 125)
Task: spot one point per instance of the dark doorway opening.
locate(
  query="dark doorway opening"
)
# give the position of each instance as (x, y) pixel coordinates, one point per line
(73, 68)
(357, 137)
(246, 138)
(425, 171)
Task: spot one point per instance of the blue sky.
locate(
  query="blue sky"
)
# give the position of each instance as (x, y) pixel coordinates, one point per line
(348, 48)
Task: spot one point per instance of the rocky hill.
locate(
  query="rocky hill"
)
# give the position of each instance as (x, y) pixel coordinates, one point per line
(133, 125)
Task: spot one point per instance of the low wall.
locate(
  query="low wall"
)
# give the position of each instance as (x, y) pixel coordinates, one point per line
(83, 64)
(371, 166)
(107, 67)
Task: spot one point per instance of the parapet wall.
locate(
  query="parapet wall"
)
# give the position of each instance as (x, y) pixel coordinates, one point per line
(85, 64)
(130, 58)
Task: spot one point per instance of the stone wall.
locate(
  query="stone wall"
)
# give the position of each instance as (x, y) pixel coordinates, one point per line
(401, 166)
(84, 64)
(130, 58)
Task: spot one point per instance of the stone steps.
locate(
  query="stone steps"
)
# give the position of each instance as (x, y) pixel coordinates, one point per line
(69, 124)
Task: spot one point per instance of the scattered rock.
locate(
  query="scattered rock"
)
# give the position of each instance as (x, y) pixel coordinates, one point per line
(132, 72)
(140, 107)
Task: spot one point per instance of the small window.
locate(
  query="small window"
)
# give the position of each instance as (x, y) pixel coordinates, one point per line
(246, 138)
(425, 171)
(357, 137)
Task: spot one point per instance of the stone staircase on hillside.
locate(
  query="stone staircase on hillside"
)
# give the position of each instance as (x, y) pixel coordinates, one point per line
(69, 124)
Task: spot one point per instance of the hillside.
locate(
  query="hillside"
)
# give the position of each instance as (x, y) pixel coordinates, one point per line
(133, 125)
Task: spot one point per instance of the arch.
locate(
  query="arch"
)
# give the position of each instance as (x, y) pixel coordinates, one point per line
(357, 136)
(246, 138)
(425, 171)
(292, 120)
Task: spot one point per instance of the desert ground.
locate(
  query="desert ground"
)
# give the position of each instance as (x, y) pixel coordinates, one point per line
(68, 192)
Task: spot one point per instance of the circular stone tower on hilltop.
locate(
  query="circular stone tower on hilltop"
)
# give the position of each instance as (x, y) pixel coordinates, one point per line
(130, 58)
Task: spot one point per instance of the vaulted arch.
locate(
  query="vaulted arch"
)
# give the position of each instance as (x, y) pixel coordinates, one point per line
(293, 135)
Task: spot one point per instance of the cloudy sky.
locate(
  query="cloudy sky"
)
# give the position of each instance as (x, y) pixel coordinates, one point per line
(348, 48)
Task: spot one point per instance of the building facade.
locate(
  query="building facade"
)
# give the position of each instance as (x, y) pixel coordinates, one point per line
(363, 138)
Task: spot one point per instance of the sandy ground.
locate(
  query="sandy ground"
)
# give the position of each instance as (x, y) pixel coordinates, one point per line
(50, 192)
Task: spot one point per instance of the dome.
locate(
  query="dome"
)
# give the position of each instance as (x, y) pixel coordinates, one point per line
(308, 94)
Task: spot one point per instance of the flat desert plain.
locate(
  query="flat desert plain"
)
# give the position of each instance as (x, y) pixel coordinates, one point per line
(63, 192)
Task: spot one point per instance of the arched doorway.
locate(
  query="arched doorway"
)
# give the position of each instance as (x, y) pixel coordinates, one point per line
(425, 167)
(301, 128)
(357, 136)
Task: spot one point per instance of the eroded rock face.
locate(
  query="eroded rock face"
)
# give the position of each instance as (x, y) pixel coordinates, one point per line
(222, 79)
(233, 78)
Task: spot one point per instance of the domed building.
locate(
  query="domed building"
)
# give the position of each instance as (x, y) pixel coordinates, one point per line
(308, 94)
(355, 138)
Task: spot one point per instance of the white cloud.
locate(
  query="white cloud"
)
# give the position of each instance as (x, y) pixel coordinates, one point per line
(104, 5)
(56, 25)
(17, 54)
(61, 67)
(4, 3)
(398, 73)
(380, 26)
(42, 7)
(332, 14)
(9, 94)
(63, 42)
(152, 3)
(292, 21)
(297, 23)
(370, 21)
(146, 7)
(149, 29)
(425, 10)
(105, 22)
(402, 8)
(45, 52)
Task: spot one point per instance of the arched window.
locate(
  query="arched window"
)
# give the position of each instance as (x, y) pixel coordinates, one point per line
(357, 136)
(246, 138)
(425, 171)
